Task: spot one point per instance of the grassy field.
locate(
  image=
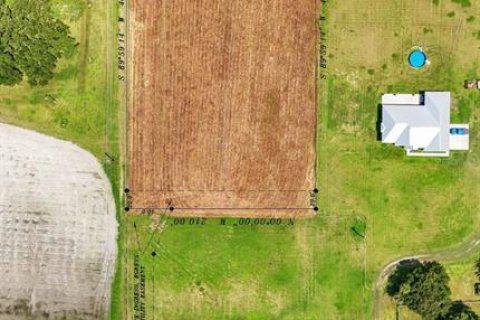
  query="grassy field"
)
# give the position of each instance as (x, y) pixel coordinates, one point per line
(216, 271)
(462, 281)
(430, 200)
(412, 205)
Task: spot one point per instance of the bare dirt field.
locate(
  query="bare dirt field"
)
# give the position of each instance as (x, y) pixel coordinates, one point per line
(57, 229)
(222, 106)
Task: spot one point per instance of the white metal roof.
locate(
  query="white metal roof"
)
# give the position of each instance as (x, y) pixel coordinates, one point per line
(417, 122)
(401, 98)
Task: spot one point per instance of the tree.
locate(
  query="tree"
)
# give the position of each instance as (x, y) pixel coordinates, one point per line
(459, 311)
(422, 287)
(9, 73)
(31, 42)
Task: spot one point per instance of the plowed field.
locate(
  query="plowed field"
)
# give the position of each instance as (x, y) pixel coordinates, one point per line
(222, 106)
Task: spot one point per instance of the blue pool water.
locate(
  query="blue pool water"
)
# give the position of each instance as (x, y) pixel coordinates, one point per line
(417, 59)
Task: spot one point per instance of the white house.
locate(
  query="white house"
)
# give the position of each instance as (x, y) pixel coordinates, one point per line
(420, 123)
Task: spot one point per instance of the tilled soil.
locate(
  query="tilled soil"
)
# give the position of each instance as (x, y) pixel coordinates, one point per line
(222, 107)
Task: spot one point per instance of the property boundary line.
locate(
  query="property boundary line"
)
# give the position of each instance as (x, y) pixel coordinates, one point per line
(126, 113)
(227, 208)
(316, 81)
(206, 191)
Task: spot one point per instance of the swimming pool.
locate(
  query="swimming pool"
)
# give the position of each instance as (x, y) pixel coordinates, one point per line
(417, 59)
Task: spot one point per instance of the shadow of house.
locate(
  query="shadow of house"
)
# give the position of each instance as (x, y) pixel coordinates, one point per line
(379, 122)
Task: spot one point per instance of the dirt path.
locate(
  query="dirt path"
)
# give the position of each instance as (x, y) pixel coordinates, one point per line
(448, 255)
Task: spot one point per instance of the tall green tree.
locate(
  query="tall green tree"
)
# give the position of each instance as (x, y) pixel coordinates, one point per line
(32, 41)
(459, 311)
(422, 287)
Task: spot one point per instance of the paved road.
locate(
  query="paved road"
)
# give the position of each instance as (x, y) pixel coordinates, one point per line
(447, 255)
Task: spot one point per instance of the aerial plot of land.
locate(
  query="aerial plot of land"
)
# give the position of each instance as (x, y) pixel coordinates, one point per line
(396, 158)
(240, 160)
(222, 110)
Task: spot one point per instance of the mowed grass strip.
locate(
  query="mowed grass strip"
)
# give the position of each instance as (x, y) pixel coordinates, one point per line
(216, 271)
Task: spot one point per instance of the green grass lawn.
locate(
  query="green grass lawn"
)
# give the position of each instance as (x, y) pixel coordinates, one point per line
(216, 271)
